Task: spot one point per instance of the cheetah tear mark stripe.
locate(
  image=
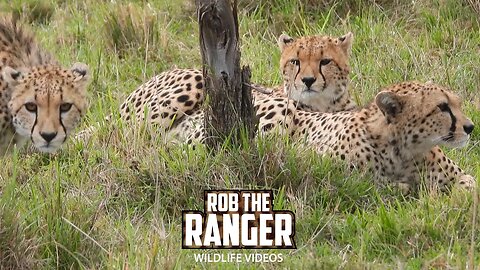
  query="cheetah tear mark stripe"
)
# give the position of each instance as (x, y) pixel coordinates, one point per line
(323, 76)
(61, 122)
(64, 129)
(34, 123)
(454, 120)
(299, 67)
(298, 72)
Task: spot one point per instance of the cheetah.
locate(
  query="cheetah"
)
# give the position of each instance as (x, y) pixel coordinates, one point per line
(397, 136)
(315, 71)
(39, 99)
(166, 98)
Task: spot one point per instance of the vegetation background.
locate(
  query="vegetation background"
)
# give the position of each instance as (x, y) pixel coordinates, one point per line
(115, 201)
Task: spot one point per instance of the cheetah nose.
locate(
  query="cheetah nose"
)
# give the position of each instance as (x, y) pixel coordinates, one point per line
(48, 136)
(468, 128)
(308, 81)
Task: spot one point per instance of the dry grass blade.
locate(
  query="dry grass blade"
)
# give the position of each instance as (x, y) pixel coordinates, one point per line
(17, 248)
(475, 4)
(34, 12)
(129, 27)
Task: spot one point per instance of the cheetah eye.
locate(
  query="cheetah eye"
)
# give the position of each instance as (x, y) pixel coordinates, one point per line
(65, 107)
(443, 107)
(296, 62)
(325, 62)
(31, 107)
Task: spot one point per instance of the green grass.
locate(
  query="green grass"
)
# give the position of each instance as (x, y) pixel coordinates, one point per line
(115, 201)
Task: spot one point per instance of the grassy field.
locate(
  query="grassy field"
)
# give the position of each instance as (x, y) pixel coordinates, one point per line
(115, 201)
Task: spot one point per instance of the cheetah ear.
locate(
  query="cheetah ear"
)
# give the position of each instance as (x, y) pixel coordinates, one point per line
(346, 42)
(11, 76)
(81, 73)
(284, 40)
(389, 103)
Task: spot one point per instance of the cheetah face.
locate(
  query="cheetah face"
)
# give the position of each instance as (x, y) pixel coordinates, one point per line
(460, 128)
(426, 115)
(47, 103)
(315, 69)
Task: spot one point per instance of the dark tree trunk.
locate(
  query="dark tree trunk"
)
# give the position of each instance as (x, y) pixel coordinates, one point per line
(229, 109)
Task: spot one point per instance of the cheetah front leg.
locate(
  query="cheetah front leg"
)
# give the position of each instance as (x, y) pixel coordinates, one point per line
(443, 172)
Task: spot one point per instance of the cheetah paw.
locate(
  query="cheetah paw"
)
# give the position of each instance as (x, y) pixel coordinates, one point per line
(404, 188)
(85, 134)
(467, 182)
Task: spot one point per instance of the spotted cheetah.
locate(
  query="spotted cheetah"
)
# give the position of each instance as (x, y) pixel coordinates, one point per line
(315, 71)
(396, 136)
(39, 100)
(166, 98)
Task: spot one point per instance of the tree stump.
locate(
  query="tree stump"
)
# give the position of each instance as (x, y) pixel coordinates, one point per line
(229, 112)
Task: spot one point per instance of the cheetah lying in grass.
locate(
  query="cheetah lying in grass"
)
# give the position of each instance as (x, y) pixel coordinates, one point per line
(396, 136)
(316, 79)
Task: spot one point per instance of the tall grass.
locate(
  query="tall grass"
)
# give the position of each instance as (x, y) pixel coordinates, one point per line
(129, 27)
(39, 12)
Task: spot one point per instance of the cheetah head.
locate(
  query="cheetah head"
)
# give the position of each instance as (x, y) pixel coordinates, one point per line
(47, 102)
(315, 68)
(425, 115)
